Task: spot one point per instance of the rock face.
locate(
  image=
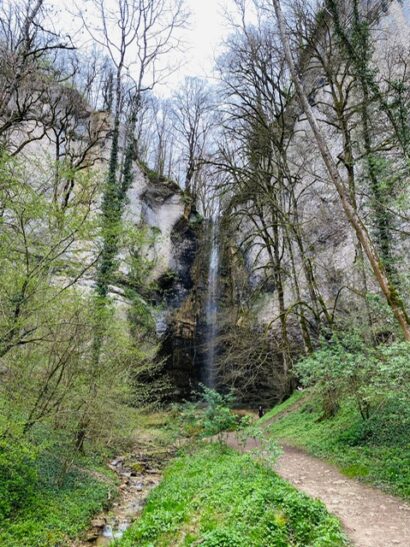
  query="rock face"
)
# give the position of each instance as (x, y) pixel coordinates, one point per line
(186, 343)
(331, 251)
(162, 207)
(169, 228)
(178, 295)
(157, 204)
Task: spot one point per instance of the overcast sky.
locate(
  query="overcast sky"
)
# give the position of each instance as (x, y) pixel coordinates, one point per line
(206, 30)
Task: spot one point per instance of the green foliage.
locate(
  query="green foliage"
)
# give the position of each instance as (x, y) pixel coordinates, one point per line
(54, 514)
(47, 492)
(267, 450)
(210, 416)
(18, 475)
(139, 242)
(51, 393)
(217, 497)
(37, 239)
(218, 419)
(50, 325)
(286, 406)
(374, 377)
(218, 416)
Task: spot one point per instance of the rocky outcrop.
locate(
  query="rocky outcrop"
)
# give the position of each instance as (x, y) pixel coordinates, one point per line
(159, 205)
(181, 294)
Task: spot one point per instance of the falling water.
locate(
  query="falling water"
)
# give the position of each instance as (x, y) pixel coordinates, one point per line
(212, 304)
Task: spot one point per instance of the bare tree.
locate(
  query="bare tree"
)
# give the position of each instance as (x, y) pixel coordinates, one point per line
(27, 55)
(266, 189)
(193, 108)
(385, 283)
(161, 137)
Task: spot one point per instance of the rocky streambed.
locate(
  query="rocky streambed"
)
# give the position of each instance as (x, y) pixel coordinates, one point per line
(139, 474)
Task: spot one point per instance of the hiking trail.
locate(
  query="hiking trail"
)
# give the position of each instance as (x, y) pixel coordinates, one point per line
(370, 517)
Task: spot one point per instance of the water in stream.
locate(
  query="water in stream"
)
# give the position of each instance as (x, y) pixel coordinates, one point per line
(134, 490)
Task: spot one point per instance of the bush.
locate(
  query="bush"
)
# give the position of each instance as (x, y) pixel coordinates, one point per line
(209, 416)
(18, 475)
(374, 377)
(218, 415)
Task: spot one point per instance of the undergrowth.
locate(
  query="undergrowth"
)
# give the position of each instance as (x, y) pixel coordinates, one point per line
(218, 497)
(57, 512)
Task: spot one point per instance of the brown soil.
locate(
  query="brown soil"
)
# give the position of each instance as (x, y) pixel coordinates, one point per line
(370, 517)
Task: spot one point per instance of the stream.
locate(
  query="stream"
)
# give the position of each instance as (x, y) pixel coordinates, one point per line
(139, 474)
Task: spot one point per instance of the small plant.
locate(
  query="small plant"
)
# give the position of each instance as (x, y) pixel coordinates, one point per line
(265, 449)
(218, 416)
(211, 415)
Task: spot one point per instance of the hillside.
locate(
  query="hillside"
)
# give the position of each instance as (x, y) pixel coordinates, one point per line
(204, 273)
(375, 451)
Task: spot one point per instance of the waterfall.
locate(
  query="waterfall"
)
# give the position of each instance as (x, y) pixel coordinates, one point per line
(212, 305)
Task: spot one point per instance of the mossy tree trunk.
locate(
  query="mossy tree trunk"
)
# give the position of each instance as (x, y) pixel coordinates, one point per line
(390, 292)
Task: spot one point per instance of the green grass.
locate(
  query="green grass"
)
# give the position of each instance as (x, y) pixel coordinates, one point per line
(53, 514)
(376, 450)
(218, 497)
(41, 505)
(285, 406)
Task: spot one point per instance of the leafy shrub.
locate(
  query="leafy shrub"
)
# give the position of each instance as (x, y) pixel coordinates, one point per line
(267, 450)
(18, 475)
(389, 426)
(374, 377)
(218, 415)
(210, 416)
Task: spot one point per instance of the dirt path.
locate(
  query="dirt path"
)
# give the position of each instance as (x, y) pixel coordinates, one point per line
(370, 517)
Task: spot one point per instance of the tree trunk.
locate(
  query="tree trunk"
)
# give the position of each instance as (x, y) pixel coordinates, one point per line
(380, 273)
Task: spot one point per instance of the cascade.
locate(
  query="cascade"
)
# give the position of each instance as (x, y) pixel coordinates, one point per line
(212, 305)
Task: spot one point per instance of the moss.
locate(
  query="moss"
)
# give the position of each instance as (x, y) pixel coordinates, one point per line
(137, 467)
(156, 178)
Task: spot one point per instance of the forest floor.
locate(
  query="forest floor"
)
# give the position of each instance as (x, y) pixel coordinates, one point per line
(370, 517)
